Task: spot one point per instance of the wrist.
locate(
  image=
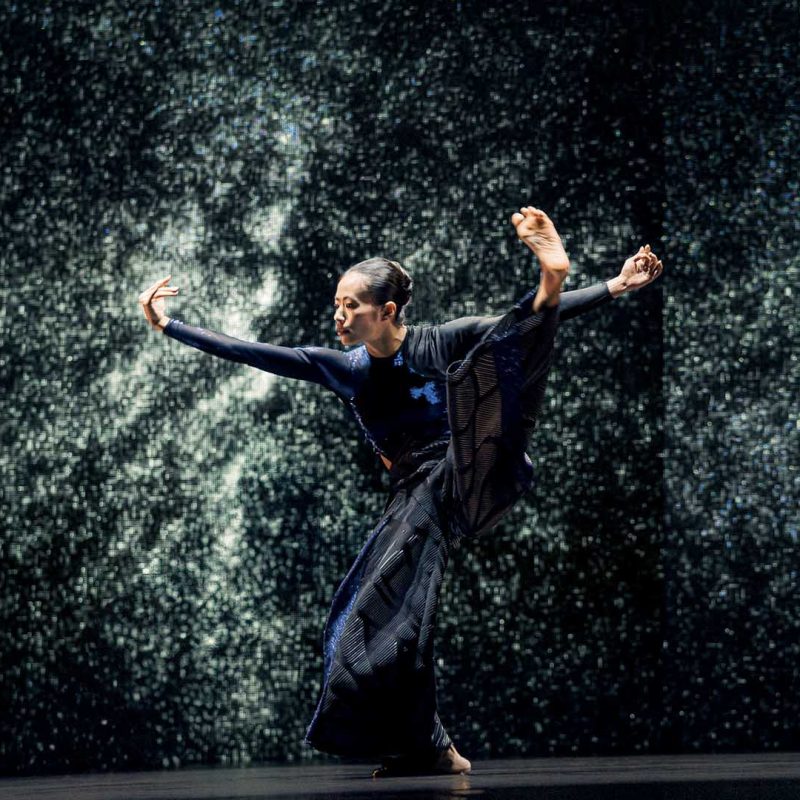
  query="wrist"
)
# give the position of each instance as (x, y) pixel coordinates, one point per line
(161, 323)
(617, 286)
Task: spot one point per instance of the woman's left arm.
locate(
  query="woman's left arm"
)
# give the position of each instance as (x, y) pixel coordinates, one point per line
(579, 301)
(639, 270)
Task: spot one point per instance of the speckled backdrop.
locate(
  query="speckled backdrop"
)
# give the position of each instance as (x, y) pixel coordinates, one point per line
(175, 525)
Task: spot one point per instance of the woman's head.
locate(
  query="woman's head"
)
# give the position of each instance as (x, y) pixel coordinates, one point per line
(371, 293)
(385, 282)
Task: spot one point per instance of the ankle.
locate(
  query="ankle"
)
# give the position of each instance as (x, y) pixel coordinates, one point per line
(544, 298)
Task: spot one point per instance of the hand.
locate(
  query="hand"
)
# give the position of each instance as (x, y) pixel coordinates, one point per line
(640, 269)
(153, 303)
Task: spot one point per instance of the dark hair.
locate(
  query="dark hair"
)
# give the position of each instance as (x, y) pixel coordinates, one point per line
(385, 280)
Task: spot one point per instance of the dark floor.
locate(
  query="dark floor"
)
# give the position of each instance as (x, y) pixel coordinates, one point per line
(773, 776)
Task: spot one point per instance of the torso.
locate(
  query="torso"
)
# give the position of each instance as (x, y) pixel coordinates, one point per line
(397, 406)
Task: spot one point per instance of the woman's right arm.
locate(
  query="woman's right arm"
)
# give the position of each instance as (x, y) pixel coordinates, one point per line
(290, 362)
(317, 364)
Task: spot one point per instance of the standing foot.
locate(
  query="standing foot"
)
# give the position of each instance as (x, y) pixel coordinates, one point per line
(451, 761)
(536, 229)
(447, 762)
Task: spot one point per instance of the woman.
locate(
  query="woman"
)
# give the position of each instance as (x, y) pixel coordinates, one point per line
(448, 408)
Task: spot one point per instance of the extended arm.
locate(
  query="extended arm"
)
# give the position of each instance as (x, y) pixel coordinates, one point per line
(453, 340)
(579, 301)
(317, 364)
(290, 362)
(537, 231)
(637, 271)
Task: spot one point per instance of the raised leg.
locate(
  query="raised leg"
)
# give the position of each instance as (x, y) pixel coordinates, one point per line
(494, 397)
(539, 233)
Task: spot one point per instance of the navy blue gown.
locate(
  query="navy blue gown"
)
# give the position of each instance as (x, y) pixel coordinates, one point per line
(452, 410)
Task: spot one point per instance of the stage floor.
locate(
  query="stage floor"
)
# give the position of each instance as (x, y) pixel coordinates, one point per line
(772, 776)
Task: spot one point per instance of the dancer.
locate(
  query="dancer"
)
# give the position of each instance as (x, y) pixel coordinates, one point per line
(449, 409)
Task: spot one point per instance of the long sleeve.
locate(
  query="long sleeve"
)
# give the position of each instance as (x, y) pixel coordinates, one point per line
(579, 301)
(440, 345)
(317, 364)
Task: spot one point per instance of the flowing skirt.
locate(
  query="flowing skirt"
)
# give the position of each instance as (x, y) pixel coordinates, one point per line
(379, 691)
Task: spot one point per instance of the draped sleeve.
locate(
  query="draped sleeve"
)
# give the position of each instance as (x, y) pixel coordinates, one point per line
(438, 346)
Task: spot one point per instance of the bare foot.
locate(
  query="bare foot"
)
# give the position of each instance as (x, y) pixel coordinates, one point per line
(451, 761)
(448, 762)
(536, 229)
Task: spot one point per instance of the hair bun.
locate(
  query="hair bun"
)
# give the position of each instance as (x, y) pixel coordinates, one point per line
(405, 283)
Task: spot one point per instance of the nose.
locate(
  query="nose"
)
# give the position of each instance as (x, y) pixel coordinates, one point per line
(338, 316)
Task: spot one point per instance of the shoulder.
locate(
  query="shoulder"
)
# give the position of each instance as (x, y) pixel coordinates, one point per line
(461, 332)
(334, 366)
(432, 348)
(357, 359)
(322, 355)
(465, 327)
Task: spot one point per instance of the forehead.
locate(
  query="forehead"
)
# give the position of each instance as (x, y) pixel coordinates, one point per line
(352, 285)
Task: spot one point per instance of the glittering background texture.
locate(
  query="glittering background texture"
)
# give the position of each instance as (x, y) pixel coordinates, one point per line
(175, 525)
(731, 385)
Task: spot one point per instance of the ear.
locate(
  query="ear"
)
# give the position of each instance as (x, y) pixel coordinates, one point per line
(389, 310)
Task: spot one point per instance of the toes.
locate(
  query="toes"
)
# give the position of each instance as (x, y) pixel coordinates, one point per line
(532, 211)
(533, 214)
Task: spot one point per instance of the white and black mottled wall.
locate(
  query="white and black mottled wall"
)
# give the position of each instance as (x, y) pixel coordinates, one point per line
(175, 526)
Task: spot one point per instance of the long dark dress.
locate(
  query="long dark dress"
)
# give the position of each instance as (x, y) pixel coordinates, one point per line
(452, 411)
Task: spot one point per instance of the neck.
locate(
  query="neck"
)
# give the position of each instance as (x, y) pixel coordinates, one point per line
(389, 342)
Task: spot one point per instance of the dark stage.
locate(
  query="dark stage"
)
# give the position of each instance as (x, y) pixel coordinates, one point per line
(765, 776)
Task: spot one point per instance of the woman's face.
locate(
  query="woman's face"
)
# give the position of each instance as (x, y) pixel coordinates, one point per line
(357, 320)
